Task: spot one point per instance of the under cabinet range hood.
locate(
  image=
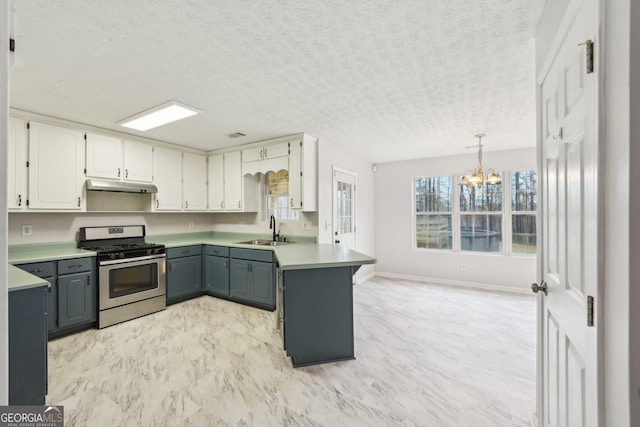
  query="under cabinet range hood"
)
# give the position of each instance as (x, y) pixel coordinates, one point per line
(120, 186)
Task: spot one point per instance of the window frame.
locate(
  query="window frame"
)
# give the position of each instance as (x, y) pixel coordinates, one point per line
(456, 218)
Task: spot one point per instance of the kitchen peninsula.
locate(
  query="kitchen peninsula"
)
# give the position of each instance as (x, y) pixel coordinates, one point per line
(312, 286)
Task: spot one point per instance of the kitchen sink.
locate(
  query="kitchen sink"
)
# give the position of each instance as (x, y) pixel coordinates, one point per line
(262, 243)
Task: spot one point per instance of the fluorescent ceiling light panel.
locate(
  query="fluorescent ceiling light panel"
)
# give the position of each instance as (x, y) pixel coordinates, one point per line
(158, 116)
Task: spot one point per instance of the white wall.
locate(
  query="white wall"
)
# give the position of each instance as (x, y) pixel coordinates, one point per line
(63, 227)
(394, 210)
(330, 155)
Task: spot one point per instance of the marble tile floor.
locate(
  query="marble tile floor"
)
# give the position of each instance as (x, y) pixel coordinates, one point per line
(426, 355)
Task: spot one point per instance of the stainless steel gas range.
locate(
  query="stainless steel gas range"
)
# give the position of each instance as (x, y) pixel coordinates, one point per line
(131, 272)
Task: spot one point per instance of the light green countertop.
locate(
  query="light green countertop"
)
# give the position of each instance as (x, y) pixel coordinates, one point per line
(307, 256)
(22, 254)
(20, 279)
(301, 253)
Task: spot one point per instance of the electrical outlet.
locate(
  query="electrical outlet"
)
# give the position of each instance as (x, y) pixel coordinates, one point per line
(27, 230)
(190, 224)
(306, 226)
(463, 267)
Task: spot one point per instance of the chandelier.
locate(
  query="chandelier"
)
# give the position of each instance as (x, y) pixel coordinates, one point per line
(477, 177)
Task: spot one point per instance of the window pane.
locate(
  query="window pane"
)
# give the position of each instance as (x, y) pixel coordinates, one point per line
(433, 231)
(278, 196)
(487, 198)
(481, 233)
(523, 234)
(434, 194)
(524, 191)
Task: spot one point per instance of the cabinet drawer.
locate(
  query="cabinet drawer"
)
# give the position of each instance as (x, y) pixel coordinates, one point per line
(70, 266)
(252, 254)
(184, 251)
(40, 269)
(218, 251)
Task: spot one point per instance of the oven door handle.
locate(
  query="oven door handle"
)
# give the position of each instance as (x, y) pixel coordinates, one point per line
(126, 260)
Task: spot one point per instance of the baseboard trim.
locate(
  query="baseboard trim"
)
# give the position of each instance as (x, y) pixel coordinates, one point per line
(449, 282)
(363, 279)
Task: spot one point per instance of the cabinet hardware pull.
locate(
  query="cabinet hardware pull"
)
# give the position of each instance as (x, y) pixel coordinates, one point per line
(221, 205)
(226, 263)
(39, 270)
(118, 172)
(78, 201)
(186, 252)
(75, 266)
(19, 199)
(157, 203)
(186, 204)
(265, 153)
(262, 154)
(88, 280)
(240, 204)
(291, 202)
(126, 173)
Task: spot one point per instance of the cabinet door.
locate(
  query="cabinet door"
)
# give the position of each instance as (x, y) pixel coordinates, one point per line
(27, 347)
(167, 175)
(56, 167)
(194, 182)
(17, 164)
(233, 181)
(262, 283)
(215, 175)
(239, 279)
(253, 154)
(295, 175)
(138, 161)
(76, 302)
(276, 150)
(52, 305)
(104, 156)
(184, 276)
(217, 275)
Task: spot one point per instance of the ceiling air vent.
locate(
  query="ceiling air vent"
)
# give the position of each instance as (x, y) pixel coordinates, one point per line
(235, 135)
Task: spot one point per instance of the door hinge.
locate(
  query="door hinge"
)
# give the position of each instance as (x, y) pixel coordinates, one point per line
(12, 45)
(85, 171)
(85, 136)
(27, 202)
(589, 62)
(28, 125)
(27, 163)
(589, 310)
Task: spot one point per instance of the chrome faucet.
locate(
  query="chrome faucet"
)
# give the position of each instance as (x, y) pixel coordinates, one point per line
(272, 225)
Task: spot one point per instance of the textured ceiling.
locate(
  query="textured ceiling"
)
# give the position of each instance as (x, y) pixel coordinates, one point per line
(389, 80)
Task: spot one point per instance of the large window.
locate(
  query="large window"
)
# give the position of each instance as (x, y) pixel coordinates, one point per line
(433, 201)
(524, 203)
(497, 219)
(481, 218)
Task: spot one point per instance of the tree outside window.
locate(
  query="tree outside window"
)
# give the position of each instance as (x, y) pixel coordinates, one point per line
(524, 204)
(433, 203)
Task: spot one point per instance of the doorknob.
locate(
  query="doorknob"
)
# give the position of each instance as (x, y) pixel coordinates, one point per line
(542, 287)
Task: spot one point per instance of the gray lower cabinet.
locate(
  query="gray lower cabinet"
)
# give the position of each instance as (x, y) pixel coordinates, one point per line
(184, 273)
(72, 297)
(252, 277)
(27, 346)
(216, 271)
(316, 317)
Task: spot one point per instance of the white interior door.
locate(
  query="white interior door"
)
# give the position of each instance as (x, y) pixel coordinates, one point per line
(344, 208)
(568, 262)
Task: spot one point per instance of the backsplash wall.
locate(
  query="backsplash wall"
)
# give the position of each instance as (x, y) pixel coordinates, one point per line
(63, 227)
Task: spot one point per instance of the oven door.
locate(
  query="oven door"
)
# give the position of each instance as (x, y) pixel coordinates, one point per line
(129, 280)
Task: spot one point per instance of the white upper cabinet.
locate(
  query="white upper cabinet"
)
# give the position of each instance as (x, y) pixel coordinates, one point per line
(230, 190)
(233, 181)
(303, 173)
(215, 188)
(112, 158)
(194, 182)
(138, 161)
(167, 176)
(17, 165)
(265, 158)
(56, 168)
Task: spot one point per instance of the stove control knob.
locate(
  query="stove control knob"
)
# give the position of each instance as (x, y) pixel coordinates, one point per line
(149, 251)
(112, 256)
(121, 254)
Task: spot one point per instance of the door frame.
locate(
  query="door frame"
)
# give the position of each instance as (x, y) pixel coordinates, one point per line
(600, 176)
(334, 216)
